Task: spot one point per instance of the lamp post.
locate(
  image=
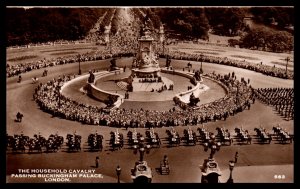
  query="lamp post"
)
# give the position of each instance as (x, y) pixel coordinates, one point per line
(210, 169)
(237, 94)
(142, 151)
(110, 48)
(79, 69)
(201, 59)
(142, 148)
(231, 166)
(214, 146)
(163, 43)
(287, 61)
(118, 171)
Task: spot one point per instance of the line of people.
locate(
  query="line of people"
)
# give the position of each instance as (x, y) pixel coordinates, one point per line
(259, 67)
(50, 99)
(17, 69)
(281, 98)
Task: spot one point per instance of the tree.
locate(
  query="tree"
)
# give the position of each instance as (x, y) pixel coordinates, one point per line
(268, 15)
(190, 22)
(226, 21)
(48, 24)
(268, 39)
(233, 42)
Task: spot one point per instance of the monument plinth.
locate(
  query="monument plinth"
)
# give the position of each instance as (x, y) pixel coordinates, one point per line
(146, 62)
(146, 71)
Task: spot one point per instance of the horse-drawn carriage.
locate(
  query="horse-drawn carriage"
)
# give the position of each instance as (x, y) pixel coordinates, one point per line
(190, 136)
(116, 140)
(262, 135)
(173, 137)
(224, 136)
(73, 142)
(95, 142)
(153, 138)
(243, 136)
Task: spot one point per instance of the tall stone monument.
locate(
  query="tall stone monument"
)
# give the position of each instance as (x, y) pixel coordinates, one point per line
(146, 61)
(145, 75)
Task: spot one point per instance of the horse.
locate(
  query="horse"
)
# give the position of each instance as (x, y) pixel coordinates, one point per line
(173, 138)
(155, 141)
(205, 136)
(190, 138)
(263, 136)
(9, 141)
(134, 137)
(74, 145)
(116, 140)
(51, 145)
(34, 144)
(243, 135)
(153, 138)
(54, 142)
(95, 142)
(74, 142)
(19, 144)
(224, 136)
(225, 139)
(277, 131)
(285, 137)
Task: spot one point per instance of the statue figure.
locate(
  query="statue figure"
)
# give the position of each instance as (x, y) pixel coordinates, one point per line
(91, 78)
(193, 100)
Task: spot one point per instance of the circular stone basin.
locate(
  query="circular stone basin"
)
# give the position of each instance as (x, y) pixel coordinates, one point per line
(150, 86)
(181, 84)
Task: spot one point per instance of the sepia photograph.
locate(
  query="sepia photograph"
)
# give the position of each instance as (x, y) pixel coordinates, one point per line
(149, 94)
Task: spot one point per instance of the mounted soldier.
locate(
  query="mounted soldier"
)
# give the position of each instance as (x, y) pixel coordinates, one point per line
(19, 117)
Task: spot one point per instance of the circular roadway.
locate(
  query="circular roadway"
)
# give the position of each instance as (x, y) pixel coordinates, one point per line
(184, 160)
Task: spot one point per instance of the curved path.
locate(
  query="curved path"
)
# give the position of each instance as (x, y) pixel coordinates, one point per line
(183, 159)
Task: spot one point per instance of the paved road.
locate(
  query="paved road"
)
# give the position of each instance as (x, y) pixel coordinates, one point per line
(183, 159)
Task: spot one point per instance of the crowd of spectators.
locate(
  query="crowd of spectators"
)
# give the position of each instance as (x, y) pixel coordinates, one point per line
(13, 70)
(259, 67)
(50, 99)
(128, 49)
(126, 43)
(281, 98)
(120, 45)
